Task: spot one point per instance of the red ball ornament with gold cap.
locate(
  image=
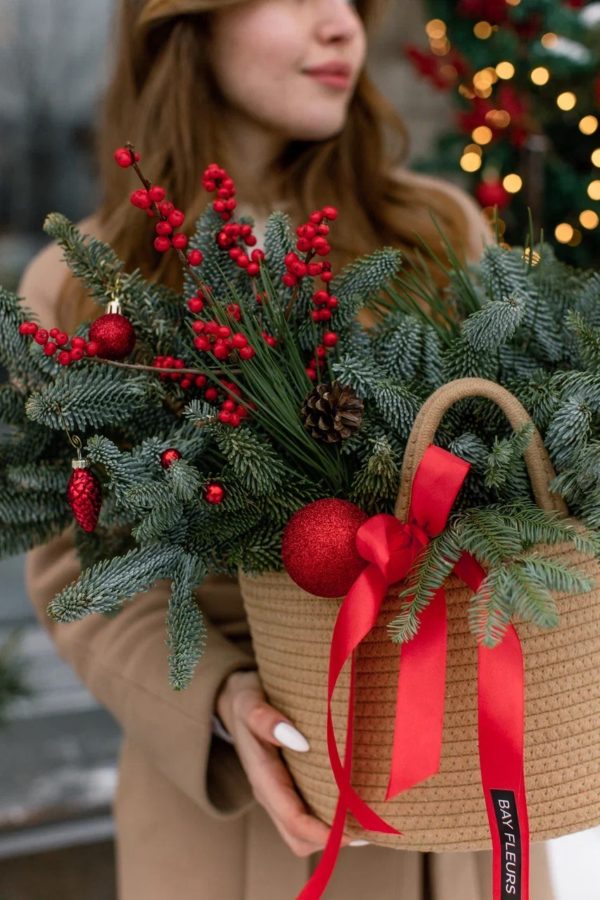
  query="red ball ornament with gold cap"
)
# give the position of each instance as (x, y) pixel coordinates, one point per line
(113, 332)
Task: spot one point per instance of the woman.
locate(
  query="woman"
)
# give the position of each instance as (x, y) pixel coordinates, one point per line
(240, 83)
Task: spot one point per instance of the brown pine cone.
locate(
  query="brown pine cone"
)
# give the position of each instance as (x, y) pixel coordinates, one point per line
(332, 412)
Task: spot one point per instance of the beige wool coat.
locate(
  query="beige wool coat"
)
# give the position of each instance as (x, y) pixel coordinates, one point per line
(187, 824)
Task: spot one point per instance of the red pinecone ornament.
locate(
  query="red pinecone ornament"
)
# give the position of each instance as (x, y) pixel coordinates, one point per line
(114, 335)
(84, 495)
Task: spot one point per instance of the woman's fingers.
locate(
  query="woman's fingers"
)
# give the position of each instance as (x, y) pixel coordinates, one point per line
(268, 724)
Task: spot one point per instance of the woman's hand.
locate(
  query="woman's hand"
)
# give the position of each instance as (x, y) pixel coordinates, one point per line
(250, 720)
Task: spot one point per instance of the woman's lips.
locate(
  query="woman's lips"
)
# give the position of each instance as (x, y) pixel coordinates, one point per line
(333, 79)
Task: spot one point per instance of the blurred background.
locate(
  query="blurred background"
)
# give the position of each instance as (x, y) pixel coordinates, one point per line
(505, 107)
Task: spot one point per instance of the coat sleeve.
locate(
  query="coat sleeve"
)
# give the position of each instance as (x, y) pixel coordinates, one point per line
(123, 661)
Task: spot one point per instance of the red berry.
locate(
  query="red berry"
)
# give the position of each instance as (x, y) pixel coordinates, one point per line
(157, 193)
(163, 227)
(162, 244)
(64, 357)
(140, 199)
(330, 338)
(289, 280)
(195, 257)
(180, 240)
(176, 218)
(211, 394)
(50, 348)
(330, 212)
(122, 157)
(202, 343)
(79, 343)
(326, 277)
(41, 336)
(332, 302)
(200, 380)
(77, 353)
(303, 245)
(166, 208)
(247, 352)
(316, 217)
(91, 348)
(253, 269)
(239, 340)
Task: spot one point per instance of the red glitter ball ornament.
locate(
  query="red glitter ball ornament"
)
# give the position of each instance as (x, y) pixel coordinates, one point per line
(169, 456)
(319, 547)
(114, 334)
(84, 495)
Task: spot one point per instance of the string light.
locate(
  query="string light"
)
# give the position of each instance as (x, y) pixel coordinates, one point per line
(435, 29)
(482, 134)
(505, 70)
(483, 30)
(512, 183)
(549, 39)
(594, 190)
(589, 219)
(596, 158)
(588, 125)
(470, 162)
(540, 75)
(498, 118)
(566, 101)
(564, 233)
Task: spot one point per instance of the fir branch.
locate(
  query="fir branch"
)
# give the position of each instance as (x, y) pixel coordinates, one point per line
(186, 629)
(108, 584)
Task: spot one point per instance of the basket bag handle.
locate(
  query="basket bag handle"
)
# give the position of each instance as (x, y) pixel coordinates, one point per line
(540, 469)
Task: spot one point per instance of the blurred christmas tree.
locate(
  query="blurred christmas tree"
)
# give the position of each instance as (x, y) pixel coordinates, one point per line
(526, 78)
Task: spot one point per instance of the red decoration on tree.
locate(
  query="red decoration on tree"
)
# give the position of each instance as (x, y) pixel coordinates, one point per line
(214, 493)
(318, 547)
(492, 193)
(114, 336)
(84, 495)
(169, 456)
(493, 11)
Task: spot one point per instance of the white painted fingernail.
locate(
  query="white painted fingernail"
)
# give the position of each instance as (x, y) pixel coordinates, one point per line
(358, 843)
(290, 737)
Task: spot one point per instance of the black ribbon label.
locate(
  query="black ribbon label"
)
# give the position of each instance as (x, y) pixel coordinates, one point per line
(507, 820)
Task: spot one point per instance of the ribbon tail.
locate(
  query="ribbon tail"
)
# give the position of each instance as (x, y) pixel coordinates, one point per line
(501, 734)
(417, 745)
(501, 729)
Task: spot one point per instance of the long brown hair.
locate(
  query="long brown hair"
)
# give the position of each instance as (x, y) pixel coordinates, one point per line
(163, 98)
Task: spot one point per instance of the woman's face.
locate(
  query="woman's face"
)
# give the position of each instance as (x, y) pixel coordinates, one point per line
(265, 55)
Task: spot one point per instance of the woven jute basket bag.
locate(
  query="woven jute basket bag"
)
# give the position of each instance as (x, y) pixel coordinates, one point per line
(291, 632)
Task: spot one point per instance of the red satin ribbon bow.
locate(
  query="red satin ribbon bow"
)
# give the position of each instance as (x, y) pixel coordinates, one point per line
(390, 547)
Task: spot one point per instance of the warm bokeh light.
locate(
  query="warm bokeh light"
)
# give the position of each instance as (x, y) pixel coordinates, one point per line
(594, 190)
(466, 91)
(540, 75)
(441, 47)
(436, 29)
(482, 134)
(470, 162)
(576, 239)
(566, 101)
(482, 30)
(513, 2)
(549, 39)
(484, 79)
(589, 219)
(498, 118)
(596, 158)
(512, 183)
(588, 125)
(505, 70)
(564, 233)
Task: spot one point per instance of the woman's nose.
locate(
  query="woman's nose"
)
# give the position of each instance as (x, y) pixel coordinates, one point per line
(337, 21)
